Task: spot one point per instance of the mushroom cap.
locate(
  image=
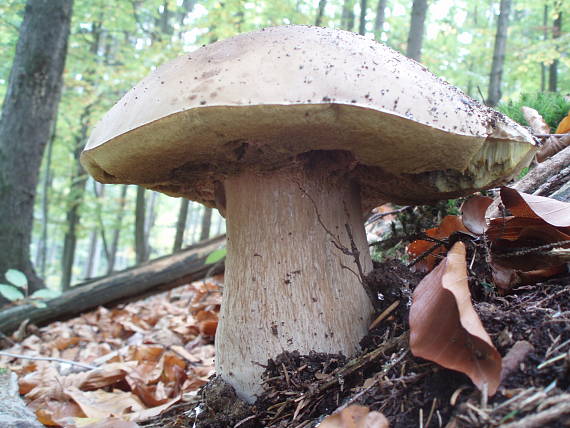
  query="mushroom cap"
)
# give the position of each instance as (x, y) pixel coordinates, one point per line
(258, 100)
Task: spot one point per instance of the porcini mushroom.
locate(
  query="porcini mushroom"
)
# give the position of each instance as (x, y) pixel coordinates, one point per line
(292, 132)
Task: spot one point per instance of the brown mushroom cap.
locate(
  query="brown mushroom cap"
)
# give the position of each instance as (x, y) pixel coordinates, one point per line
(255, 101)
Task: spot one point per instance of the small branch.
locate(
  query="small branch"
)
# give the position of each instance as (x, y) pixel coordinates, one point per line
(548, 135)
(376, 217)
(57, 360)
(530, 250)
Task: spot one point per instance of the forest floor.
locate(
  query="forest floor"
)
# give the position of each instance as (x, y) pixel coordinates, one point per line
(155, 359)
(531, 325)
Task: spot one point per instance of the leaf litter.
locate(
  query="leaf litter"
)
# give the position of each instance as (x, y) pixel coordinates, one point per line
(154, 359)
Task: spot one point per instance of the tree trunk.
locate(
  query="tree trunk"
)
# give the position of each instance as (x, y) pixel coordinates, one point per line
(181, 225)
(553, 69)
(320, 12)
(140, 241)
(112, 255)
(362, 21)
(28, 117)
(499, 51)
(91, 254)
(380, 18)
(76, 193)
(41, 254)
(347, 17)
(206, 223)
(417, 27)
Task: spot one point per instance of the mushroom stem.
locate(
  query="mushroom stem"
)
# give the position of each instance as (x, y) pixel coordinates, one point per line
(288, 287)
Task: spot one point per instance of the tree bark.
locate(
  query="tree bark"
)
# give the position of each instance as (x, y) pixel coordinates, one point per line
(140, 235)
(181, 225)
(499, 52)
(75, 199)
(41, 253)
(156, 276)
(380, 18)
(347, 17)
(417, 29)
(206, 223)
(320, 12)
(28, 117)
(553, 69)
(362, 21)
(112, 255)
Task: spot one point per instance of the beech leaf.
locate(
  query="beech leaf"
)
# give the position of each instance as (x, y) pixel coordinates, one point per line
(554, 212)
(444, 327)
(473, 213)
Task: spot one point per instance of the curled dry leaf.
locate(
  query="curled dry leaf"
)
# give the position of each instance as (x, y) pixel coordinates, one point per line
(444, 327)
(473, 213)
(355, 417)
(554, 212)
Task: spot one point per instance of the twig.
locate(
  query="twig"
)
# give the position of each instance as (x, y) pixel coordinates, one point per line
(548, 135)
(58, 360)
(530, 250)
(384, 314)
(375, 217)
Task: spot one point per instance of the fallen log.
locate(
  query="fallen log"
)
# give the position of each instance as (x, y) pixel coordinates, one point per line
(152, 277)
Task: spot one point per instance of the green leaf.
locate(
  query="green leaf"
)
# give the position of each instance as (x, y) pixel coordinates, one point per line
(16, 278)
(45, 293)
(10, 292)
(216, 256)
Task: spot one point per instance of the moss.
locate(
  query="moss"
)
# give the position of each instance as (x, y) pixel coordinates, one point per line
(552, 106)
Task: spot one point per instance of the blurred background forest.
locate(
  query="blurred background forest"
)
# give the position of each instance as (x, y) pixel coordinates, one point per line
(82, 229)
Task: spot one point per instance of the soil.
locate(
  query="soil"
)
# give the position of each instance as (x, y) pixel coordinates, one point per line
(409, 391)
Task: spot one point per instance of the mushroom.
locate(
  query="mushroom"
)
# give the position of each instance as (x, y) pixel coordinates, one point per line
(292, 132)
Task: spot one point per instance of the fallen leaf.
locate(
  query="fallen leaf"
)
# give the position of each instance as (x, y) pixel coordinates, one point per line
(444, 327)
(564, 125)
(554, 212)
(355, 417)
(449, 224)
(551, 146)
(473, 213)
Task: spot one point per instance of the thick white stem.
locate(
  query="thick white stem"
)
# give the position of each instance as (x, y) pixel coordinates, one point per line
(287, 286)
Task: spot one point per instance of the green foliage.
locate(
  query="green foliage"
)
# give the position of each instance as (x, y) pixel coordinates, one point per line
(216, 256)
(16, 281)
(552, 107)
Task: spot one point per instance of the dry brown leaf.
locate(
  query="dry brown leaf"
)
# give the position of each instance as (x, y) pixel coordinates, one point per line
(445, 328)
(449, 224)
(535, 120)
(473, 213)
(564, 125)
(554, 212)
(355, 416)
(102, 404)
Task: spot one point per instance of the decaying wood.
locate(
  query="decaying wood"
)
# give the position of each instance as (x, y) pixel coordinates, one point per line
(13, 410)
(157, 275)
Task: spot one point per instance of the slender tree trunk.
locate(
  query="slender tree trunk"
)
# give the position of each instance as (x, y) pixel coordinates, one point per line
(28, 116)
(362, 21)
(181, 225)
(499, 52)
(553, 69)
(380, 18)
(43, 241)
(91, 254)
(347, 17)
(140, 235)
(112, 255)
(194, 213)
(206, 223)
(76, 193)
(320, 12)
(417, 29)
